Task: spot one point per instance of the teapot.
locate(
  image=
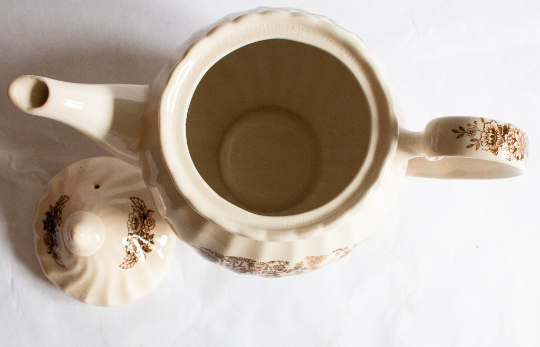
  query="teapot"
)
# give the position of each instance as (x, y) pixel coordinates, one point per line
(272, 141)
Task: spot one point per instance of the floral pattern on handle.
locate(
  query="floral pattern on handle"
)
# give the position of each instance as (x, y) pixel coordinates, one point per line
(51, 226)
(139, 239)
(496, 138)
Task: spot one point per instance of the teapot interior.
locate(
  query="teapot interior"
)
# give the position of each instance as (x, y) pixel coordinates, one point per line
(278, 127)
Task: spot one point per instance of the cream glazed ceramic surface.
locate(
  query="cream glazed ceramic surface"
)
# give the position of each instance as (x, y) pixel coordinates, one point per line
(272, 142)
(97, 236)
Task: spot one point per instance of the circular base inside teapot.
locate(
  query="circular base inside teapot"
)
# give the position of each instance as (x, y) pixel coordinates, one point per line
(269, 159)
(277, 102)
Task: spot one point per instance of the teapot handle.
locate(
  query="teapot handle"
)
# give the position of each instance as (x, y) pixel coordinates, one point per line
(466, 148)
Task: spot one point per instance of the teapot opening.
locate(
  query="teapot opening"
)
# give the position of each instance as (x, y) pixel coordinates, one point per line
(278, 127)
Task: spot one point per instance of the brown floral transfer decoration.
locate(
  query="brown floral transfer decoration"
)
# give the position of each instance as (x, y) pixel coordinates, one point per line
(275, 268)
(491, 136)
(139, 239)
(51, 226)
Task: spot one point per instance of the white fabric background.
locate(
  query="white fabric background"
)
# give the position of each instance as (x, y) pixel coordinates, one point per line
(456, 263)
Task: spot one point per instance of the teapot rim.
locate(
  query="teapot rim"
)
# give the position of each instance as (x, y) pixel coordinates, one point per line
(224, 37)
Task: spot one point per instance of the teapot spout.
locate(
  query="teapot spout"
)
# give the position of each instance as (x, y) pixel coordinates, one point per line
(110, 114)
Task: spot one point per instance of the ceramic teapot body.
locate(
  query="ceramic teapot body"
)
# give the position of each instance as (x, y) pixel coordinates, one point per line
(272, 141)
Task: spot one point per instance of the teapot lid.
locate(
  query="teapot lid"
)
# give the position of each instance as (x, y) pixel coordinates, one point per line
(97, 235)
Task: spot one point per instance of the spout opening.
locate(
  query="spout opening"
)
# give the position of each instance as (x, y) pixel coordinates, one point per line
(28, 92)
